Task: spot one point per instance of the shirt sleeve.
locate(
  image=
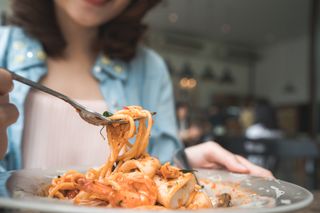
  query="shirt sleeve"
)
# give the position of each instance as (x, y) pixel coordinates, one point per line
(158, 91)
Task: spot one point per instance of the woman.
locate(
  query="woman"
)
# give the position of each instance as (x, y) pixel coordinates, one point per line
(88, 50)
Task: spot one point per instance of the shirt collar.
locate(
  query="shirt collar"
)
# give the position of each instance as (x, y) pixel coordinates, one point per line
(24, 52)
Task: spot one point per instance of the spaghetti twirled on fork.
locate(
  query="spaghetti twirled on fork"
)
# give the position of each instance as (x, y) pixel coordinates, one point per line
(131, 178)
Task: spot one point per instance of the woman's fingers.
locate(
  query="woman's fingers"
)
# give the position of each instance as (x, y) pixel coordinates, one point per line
(212, 155)
(236, 163)
(8, 114)
(254, 169)
(217, 154)
(6, 84)
(4, 99)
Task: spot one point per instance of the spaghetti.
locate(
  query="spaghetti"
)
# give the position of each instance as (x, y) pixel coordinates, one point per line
(131, 178)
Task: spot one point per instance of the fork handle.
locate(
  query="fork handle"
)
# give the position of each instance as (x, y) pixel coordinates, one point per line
(43, 88)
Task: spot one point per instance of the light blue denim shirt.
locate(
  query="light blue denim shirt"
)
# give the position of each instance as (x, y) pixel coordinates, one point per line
(143, 81)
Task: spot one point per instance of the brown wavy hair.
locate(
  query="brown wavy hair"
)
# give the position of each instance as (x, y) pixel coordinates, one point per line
(117, 39)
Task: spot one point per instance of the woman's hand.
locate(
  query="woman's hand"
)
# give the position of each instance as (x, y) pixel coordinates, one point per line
(212, 155)
(8, 112)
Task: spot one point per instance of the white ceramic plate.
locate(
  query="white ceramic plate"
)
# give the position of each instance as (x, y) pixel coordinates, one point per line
(19, 190)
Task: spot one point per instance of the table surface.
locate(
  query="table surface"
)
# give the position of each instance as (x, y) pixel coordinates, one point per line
(314, 206)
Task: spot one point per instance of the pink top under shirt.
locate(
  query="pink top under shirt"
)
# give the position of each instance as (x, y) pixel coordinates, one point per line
(56, 137)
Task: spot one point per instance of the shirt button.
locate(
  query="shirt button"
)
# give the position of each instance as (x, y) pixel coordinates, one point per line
(105, 60)
(118, 69)
(29, 54)
(41, 55)
(18, 45)
(19, 58)
(97, 69)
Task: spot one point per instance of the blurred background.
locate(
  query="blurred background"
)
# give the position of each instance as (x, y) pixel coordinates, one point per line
(245, 74)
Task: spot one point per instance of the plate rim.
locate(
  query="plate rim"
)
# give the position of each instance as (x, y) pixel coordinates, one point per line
(25, 204)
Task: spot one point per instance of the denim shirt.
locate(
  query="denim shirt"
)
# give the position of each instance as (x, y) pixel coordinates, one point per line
(143, 81)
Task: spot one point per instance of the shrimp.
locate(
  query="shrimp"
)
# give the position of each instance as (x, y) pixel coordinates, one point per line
(126, 190)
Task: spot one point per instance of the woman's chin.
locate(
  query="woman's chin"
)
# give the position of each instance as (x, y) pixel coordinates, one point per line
(89, 22)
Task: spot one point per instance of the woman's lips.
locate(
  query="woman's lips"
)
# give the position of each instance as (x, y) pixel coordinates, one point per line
(97, 2)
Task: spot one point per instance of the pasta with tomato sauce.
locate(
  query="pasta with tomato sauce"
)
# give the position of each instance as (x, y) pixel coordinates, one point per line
(130, 178)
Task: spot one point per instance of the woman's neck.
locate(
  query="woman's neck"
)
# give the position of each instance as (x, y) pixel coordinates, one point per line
(80, 40)
(69, 73)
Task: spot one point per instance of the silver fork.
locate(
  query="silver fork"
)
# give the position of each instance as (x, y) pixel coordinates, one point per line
(86, 114)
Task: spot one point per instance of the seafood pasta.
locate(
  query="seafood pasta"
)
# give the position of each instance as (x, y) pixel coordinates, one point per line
(131, 178)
